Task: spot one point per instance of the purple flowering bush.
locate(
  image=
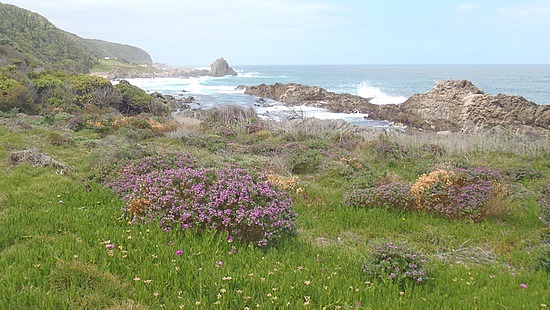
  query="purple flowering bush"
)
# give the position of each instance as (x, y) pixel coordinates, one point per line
(245, 206)
(397, 264)
(473, 193)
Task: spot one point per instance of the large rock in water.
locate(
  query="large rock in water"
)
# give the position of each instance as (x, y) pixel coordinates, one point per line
(220, 67)
(293, 94)
(461, 106)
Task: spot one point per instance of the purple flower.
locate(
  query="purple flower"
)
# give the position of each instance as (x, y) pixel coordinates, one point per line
(110, 246)
(178, 252)
(523, 285)
(219, 263)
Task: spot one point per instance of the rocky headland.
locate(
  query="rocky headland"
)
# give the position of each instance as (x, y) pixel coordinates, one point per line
(451, 106)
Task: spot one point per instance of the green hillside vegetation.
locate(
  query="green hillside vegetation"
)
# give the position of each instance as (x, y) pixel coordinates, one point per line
(36, 42)
(109, 67)
(122, 52)
(51, 92)
(104, 211)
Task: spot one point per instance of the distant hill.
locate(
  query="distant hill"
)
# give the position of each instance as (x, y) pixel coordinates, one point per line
(122, 52)
(38, 43)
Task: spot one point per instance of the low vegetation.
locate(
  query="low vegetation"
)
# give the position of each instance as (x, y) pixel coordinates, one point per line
(133, 210)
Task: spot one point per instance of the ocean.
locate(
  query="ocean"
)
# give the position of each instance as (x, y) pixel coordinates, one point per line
(386, 84)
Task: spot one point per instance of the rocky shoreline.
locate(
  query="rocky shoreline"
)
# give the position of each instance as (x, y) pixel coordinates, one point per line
(451, 106)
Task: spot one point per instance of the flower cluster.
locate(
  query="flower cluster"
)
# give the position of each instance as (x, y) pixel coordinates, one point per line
(460, 193)
(245, 206)
(396, 263)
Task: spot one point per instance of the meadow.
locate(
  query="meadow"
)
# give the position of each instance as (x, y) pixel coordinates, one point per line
(69, 239)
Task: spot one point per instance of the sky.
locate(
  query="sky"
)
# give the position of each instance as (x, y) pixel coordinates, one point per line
(290, 32)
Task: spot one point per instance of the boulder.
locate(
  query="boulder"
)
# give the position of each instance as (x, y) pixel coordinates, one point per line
(461, 106)
(220, 67)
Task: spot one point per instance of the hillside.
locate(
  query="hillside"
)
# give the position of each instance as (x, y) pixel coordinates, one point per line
(38, 43)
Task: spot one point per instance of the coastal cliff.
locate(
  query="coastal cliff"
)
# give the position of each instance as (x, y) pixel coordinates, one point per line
(455, 106)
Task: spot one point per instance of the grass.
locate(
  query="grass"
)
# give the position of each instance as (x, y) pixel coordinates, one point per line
(64, 245)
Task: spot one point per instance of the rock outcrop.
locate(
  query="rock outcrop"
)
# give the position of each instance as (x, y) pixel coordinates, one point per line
(297, 94)
(461, 106)
(220, 67)
(457, 106)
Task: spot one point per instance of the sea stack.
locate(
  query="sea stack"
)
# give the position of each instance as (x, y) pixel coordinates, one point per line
(220, 67)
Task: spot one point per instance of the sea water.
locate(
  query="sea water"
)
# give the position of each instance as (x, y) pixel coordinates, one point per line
(384, 84)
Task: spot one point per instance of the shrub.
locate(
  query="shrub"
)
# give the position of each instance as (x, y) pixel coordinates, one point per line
(393, 195)
(134, 99)
(386, 148)
(245, 206)
(397, 264)
(57, 139)
(472, 193)
(12, 113)
(304, 160)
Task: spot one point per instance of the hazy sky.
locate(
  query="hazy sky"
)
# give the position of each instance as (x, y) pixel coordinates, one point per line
(253, 32)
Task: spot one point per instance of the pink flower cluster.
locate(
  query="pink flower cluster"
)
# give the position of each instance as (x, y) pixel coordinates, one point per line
(396, 263)
(245, 206)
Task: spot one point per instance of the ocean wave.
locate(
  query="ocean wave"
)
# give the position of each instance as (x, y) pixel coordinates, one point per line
(366, 90)
(248, 74)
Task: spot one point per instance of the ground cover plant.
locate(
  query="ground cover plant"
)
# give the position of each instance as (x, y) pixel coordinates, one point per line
(68, 240)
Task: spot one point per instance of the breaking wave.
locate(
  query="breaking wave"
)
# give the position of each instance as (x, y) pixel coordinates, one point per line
(377, 96)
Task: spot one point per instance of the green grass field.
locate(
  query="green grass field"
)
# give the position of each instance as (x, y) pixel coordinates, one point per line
(64, 244)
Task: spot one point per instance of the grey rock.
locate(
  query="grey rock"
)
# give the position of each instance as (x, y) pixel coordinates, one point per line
(220, 67)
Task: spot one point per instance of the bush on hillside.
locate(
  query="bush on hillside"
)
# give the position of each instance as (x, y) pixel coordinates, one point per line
(13, 93)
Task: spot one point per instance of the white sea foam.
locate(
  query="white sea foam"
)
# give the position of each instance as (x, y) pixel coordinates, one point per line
(366, 90)
(248, 74)
(180, 86)
(279, 111)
